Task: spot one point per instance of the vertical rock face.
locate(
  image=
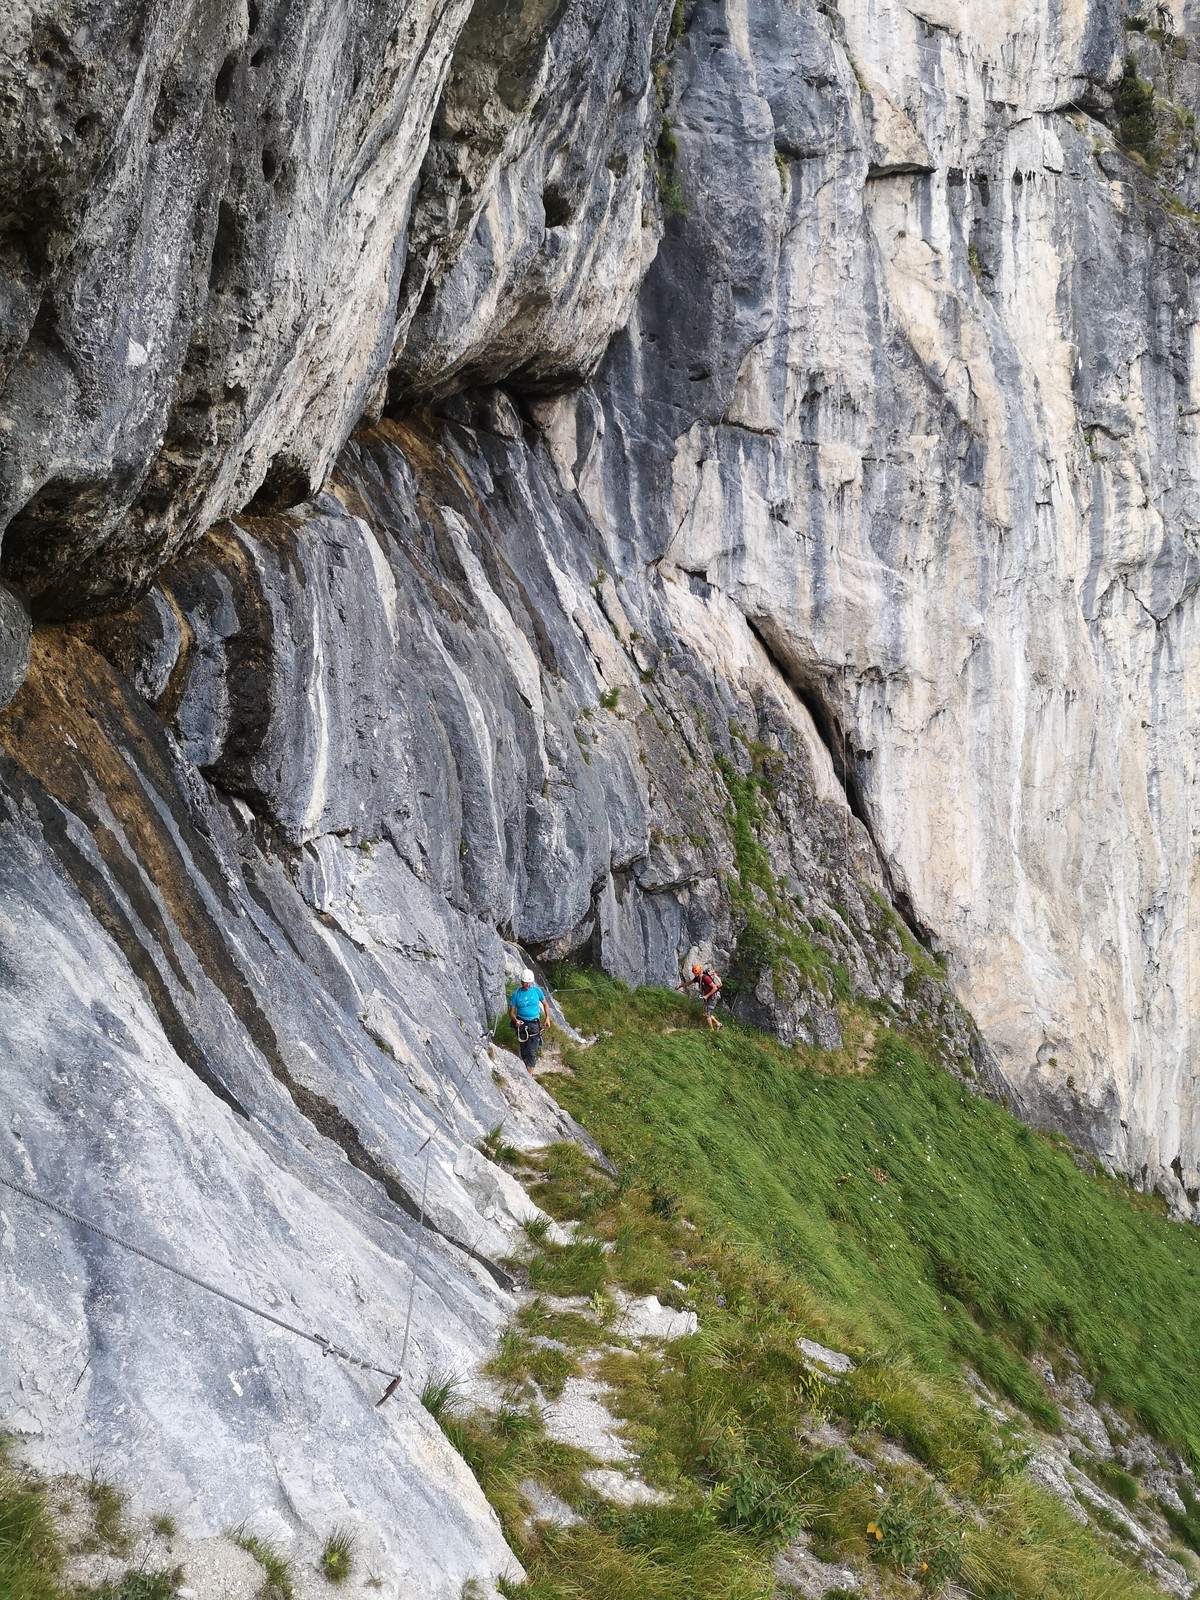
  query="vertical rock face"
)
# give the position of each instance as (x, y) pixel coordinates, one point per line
(267, 842)
(928, 423)
(783, 526)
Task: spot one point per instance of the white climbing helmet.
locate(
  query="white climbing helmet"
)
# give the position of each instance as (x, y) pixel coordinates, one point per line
(527, 977)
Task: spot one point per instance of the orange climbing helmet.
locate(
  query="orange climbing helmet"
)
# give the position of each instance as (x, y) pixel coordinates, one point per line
(696, 969)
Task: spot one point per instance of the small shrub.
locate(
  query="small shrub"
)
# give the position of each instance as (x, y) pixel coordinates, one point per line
(610, 698)
(337, 1558)
(1133, 102)
(762, 1506)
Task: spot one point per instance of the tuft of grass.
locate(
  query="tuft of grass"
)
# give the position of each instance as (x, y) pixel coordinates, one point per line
(496, 1148)
(440, 1393)
(1116, 1480)
(108, 1513)
(1186, 1525)
(337, 1558)
(139, 1583)
(610, 699)
(570, 1269)
(520, 1360)
(165, 1525)
(536, 1228)
(30, 1553)
(277, 1584)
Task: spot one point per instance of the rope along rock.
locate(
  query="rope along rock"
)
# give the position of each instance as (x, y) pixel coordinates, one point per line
(326, 1346)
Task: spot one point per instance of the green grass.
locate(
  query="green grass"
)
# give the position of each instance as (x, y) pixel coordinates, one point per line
(768, 936)
(108, 1513)
(277, 1582)
(440, 1393)
(723, 1421)
(30, 1555)
(1133, 102)
(337, 1558)
(139, 1583)
(922, 1218)
(496, 1148)
(1186, 1525)
(520, 1361)
(569, 1269)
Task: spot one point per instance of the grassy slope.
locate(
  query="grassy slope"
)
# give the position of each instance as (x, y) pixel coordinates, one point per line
(983, 1239)
(867, 1199)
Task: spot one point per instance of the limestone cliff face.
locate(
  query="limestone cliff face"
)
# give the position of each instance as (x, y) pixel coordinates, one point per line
(946, 466)
(816, 463)
(206, 259)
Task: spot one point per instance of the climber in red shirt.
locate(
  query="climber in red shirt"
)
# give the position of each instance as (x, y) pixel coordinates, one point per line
(708, 986)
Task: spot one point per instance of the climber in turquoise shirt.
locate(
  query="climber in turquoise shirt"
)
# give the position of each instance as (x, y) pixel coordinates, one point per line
(528, 1011)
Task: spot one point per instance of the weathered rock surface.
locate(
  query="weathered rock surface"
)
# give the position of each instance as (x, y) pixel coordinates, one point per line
(872, 542)
(204, 219)
(267, 842)
(928, 424)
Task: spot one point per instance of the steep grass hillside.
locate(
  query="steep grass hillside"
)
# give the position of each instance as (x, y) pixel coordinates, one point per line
(865, 1199)
(922, 1214)
(874, 1202)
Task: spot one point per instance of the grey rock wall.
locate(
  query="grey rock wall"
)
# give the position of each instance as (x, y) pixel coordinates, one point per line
(204, 267)
(824, 461)
(270, 842)
(927, 422)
